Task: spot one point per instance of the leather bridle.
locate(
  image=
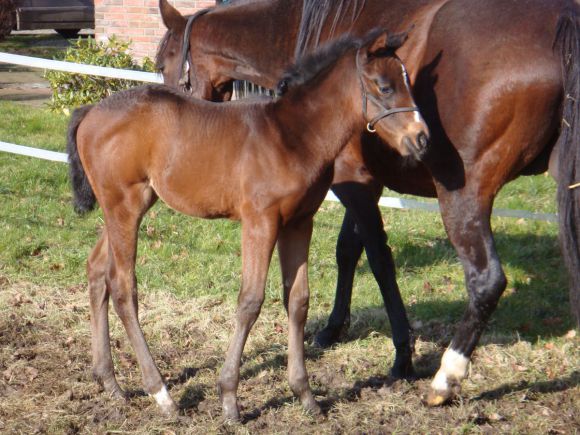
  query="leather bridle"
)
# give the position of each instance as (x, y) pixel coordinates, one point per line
(385, 111)
(184, 78)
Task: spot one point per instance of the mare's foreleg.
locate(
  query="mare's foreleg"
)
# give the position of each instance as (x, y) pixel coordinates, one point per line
(99, 292)
(467, 221)
(361, 202)
(293, 246)
(259, 233)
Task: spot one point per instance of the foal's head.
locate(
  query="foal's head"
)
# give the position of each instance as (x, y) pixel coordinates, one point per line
(387, 102)
(381, 91)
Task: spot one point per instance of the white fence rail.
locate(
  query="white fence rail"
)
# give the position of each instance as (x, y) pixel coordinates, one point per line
(398, 203)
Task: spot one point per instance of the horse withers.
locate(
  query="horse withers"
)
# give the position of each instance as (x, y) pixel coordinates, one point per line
(271, 171)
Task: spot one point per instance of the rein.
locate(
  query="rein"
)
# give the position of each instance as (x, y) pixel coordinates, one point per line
(385, 111)
(184, 79)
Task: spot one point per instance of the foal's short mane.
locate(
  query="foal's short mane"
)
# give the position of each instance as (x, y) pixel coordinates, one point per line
(311, 65)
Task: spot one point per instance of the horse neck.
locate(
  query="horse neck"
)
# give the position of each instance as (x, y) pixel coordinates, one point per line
(236, 36)
(320, 118)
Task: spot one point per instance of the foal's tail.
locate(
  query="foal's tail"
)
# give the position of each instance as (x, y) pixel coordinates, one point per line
(83, 196)
(568, 43)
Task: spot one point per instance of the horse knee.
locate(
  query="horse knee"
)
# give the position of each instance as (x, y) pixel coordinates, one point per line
(486, 287)
(249, 306)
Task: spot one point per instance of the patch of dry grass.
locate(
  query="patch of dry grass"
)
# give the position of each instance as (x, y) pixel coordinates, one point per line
(46, 385)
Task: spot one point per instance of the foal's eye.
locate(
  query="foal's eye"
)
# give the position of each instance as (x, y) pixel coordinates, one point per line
(386, 90)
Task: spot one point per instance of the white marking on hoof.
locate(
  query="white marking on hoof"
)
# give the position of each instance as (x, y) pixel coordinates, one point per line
(163, 399)
(453, 364)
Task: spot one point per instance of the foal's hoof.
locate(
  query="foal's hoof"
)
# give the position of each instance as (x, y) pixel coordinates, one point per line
(231, 414)
(311, 407)
(327, 337)
(166, 403)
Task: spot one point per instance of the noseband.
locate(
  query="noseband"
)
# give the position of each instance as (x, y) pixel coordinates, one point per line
(184, 79)
(385, 111)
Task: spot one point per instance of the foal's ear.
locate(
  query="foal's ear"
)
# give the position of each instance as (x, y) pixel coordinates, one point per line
(396, 40)
(171, 17)
(378, 45)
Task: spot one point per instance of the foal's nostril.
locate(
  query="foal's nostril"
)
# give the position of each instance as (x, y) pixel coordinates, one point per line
(422, 141)
(408, 143)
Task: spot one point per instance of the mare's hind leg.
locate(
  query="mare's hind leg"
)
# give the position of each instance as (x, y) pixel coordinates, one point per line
(467, 220)
(122, 220)
(293, 245)
(99, 292)
(361, 203)
(259, 233)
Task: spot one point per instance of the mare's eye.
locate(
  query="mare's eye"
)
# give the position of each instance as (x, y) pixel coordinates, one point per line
(386, 90)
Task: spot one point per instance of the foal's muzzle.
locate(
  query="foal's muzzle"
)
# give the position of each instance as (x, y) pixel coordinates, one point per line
(416, 146)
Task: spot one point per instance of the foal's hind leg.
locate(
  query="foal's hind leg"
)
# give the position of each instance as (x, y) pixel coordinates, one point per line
(293, 245)
(103, 369)
(122, 220)
(259, 233)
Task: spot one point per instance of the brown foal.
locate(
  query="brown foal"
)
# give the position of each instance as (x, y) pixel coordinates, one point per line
(266, 163)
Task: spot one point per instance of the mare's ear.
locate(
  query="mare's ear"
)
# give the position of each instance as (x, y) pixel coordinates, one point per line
(171, 17)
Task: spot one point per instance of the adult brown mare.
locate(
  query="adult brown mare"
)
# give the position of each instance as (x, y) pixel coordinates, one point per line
(271, 171)
(497, 82)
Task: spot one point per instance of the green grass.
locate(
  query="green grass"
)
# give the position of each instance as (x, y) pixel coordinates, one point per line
(524, 378)
(44, 241)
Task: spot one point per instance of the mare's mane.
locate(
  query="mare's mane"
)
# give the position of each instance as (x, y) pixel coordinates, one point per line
(316, 13)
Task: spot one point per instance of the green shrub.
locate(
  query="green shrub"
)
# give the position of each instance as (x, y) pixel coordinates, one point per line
(73, 90)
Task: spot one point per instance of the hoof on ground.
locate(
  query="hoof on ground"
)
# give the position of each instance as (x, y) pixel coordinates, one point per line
(326, 337)
(403, 370)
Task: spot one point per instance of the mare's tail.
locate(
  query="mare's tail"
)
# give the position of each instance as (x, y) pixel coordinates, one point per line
(568, 43)
(83, 196)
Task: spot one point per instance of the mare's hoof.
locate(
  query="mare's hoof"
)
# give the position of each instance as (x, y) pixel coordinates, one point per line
(403, 366)
(327, 337)
(442, 397)
(404, 371)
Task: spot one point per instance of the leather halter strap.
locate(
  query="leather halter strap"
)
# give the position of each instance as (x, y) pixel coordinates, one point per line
(184, 79)
(385, 111)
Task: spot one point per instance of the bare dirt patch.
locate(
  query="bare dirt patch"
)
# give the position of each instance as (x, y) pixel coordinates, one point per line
(46, 384)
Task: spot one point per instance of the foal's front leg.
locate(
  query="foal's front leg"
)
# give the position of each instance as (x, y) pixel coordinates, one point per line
(259, 232)
(293, 245)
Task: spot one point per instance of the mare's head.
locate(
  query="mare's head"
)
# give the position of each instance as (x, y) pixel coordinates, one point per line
(378, 83)
(173, 59)
(195, 64)
(387, 102)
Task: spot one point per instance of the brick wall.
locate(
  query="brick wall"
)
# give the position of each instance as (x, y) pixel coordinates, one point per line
(138, 21)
